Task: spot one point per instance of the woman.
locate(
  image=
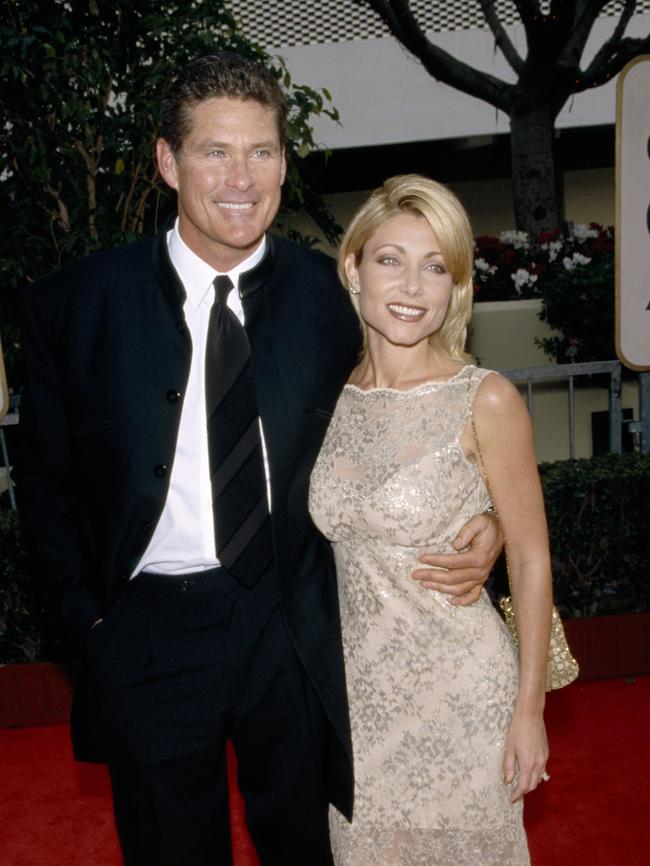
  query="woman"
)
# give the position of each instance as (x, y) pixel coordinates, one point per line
(447, 721)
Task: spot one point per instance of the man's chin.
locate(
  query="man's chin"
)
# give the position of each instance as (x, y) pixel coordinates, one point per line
(239, 233)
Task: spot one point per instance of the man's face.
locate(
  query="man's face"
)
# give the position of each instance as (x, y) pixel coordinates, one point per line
(228, 176)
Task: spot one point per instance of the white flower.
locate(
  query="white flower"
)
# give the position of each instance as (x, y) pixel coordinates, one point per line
(522, 278)
(576, 259)
(484, 267)
(553, 248)
(581, 232)
(518, 240)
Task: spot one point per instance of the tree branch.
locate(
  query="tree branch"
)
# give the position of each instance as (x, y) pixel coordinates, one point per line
(530, 13)
(135, 177)
(92, 166)
(384, 10)
(439, 63)
(88, 160)
(587, 11)
(64, 216)
(501, 37)
(610, 48)
(626, 50)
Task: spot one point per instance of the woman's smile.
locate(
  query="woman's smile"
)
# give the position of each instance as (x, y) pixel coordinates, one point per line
(406, 313)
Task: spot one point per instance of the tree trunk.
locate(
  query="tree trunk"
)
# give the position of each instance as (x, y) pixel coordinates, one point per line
(537, 190)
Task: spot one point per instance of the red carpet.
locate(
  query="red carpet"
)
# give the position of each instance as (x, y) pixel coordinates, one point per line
(593, 811)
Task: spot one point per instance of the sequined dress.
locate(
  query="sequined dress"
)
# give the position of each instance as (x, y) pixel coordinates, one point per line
(431, 686)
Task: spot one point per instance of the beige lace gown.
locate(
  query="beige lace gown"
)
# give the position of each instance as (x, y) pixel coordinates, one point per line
(431, 686)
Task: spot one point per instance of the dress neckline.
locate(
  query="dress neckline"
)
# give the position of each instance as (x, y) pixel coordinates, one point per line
(414, 389)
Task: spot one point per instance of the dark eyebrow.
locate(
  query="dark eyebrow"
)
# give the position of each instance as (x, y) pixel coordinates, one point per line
(224, 145)
(402, 250)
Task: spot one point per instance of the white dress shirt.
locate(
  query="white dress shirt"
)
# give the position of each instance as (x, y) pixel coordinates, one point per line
(183, 540)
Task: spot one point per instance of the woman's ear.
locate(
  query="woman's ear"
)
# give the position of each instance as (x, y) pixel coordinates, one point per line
(352, 272)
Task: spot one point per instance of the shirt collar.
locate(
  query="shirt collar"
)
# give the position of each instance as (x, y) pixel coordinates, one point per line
(197, 275)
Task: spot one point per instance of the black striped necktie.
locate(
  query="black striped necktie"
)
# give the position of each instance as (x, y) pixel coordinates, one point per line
(239, 502)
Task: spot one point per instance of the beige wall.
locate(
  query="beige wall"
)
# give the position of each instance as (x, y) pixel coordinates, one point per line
(589, 196)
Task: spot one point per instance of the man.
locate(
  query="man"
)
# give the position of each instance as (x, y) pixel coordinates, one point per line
(191, 634)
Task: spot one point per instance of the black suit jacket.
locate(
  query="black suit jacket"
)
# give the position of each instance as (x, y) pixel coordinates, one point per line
(107, 357)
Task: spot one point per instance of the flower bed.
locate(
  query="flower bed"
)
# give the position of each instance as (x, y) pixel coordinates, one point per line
(573, 276)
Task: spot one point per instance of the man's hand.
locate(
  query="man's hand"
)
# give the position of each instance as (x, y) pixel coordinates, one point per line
(463, 574)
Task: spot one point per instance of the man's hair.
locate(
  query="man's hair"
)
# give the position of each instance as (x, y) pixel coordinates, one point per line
(217, 75)
(423, 197)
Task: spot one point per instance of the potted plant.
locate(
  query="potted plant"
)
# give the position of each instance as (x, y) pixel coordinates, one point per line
(570, 275)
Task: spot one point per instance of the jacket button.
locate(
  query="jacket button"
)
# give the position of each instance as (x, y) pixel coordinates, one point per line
(173, 396)
(160, 470)
(145, 524)
(181, 327)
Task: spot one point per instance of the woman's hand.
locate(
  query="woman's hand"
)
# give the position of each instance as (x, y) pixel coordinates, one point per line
(526, 751)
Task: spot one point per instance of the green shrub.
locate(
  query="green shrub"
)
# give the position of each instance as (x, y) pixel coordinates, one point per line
(19, 616)
(598, 514)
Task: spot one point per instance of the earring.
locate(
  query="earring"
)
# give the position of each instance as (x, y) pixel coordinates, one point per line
(354, 288)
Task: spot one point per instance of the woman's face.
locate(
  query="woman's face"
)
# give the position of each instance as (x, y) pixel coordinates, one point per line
(404, 285)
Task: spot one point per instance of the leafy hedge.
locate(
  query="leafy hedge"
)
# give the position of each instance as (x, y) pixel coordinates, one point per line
(19, 618)
(598, 513)
(599, 517)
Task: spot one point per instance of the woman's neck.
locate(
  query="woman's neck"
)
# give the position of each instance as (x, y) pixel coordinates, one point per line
(401, 367)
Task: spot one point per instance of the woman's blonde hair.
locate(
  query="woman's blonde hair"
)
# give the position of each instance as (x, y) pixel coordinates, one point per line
(421, 196)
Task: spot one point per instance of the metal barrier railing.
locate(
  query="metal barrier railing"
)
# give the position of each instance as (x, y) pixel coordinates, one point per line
(527, 375)
(569, 372)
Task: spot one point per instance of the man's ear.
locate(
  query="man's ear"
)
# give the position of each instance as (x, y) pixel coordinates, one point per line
(167, 165)
(284, 167)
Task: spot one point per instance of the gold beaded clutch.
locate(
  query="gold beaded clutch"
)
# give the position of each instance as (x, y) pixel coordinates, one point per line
(562, 667)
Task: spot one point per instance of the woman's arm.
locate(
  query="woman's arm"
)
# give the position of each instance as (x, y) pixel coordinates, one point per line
(505, 435)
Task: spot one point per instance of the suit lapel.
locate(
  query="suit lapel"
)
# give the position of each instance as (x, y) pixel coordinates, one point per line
(172, 288)
(264, 329)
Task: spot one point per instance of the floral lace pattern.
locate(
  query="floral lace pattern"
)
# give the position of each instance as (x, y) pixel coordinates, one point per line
(431, 686)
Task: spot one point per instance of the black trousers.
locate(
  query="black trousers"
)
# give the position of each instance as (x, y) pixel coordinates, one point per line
(180, 665)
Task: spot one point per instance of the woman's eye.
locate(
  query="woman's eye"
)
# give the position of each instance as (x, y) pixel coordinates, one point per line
(388, 260)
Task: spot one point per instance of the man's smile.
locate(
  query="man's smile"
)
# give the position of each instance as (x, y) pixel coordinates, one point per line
(231, 205)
